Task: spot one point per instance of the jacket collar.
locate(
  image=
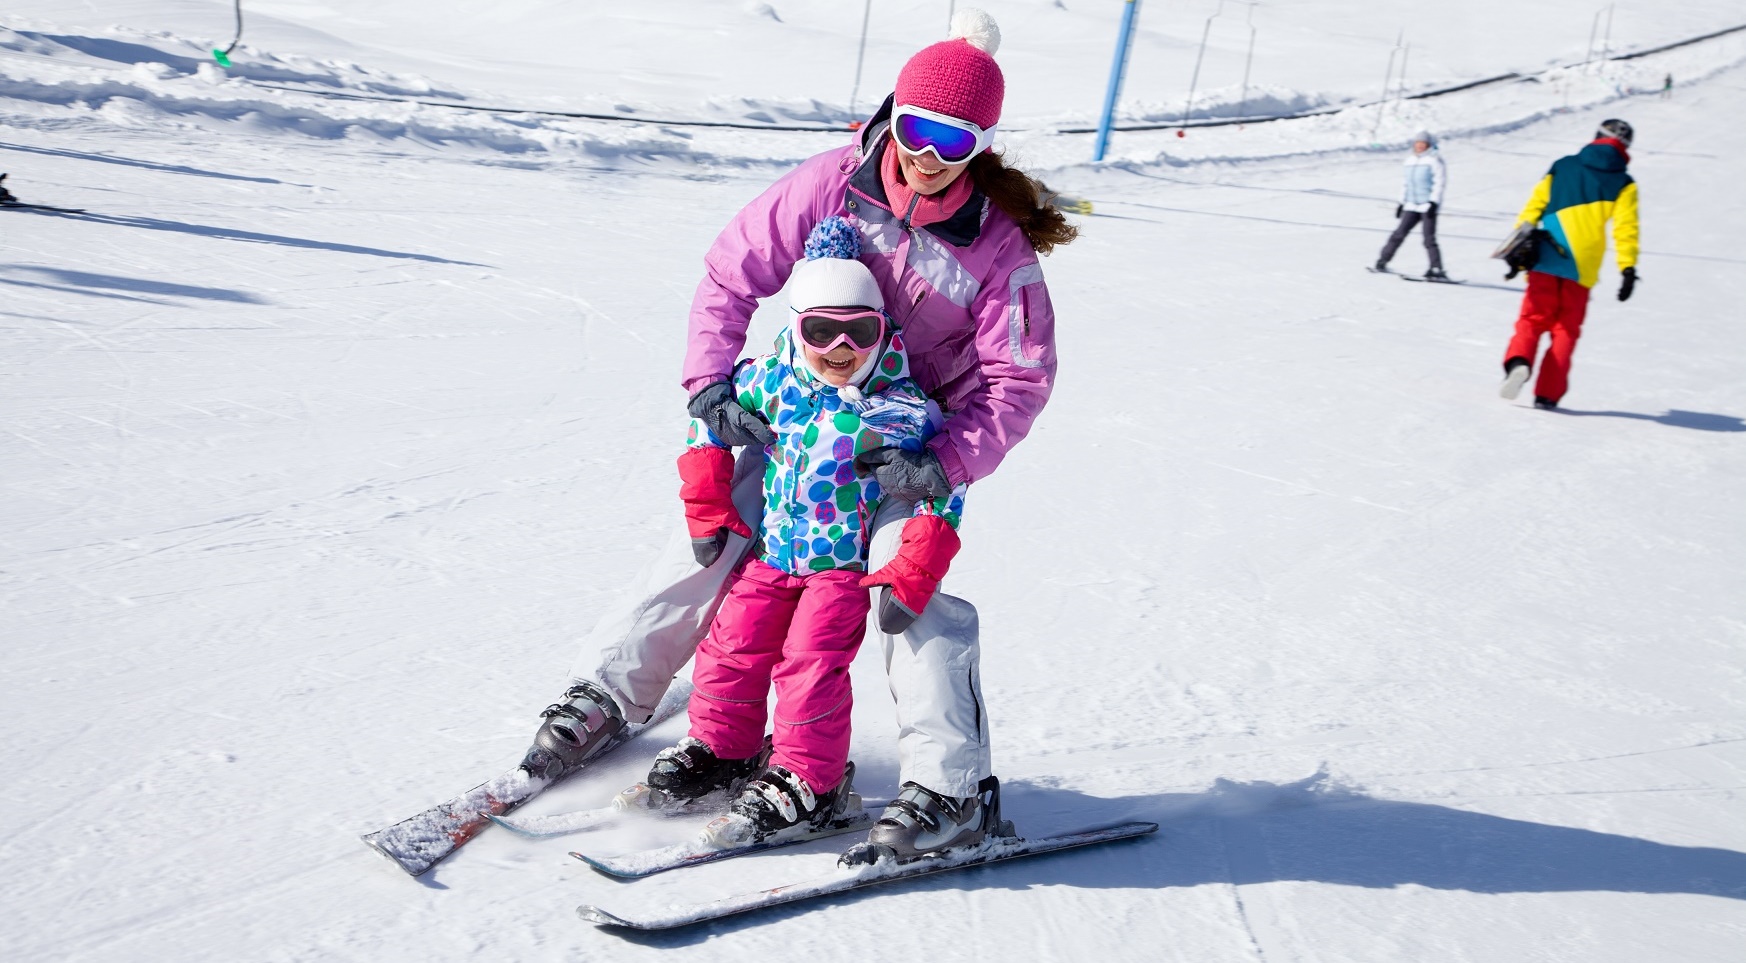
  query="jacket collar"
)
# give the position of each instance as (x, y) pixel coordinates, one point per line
(959, 230)
(1617, 145)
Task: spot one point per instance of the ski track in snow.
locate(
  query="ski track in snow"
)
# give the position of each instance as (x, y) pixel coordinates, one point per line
(338, 422)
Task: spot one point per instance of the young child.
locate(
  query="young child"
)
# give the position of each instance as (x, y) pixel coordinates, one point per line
(835, 386)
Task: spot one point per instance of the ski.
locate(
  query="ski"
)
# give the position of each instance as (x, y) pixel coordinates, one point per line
(707, 848)
(42, 207)
(1415, 277)
(638, 800)
(843, 880)
(557, 824)
(418, 842)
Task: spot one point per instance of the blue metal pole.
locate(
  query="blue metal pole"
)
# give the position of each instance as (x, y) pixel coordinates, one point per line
(1130, 11)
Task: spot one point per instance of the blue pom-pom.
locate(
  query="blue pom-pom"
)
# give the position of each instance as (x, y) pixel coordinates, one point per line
(833, 237)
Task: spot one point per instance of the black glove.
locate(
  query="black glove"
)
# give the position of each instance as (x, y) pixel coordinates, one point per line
(910, 475)
(1397, 209)
(1433, 211)
(726, 419)
(1629, 283)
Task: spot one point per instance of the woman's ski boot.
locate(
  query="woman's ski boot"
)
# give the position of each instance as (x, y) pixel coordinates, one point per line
(573, 730)
(921, 822)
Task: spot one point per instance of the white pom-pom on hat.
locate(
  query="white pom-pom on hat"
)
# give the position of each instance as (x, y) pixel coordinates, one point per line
(977, 27)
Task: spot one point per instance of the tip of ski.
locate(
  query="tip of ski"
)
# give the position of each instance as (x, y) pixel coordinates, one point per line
(412, 865)
(702, 850)
(600, 917)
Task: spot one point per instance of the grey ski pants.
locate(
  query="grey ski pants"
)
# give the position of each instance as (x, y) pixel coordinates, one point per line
(1408, 221)
(933, 668)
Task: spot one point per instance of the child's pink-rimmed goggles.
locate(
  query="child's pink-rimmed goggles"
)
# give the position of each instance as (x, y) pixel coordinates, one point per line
(920, 131)
(824, 328)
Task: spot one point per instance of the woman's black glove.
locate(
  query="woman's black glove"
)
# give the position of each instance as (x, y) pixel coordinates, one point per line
(723, 415)
(909, 475)
(1629, 283)
(1397, 209)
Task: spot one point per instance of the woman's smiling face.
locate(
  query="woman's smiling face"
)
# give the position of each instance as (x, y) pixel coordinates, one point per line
(926, 174)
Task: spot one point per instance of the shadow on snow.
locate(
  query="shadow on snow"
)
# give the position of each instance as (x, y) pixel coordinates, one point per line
(147, 165)
(1695, 420)
(80, 281)
(1306, 831)
(203, 230)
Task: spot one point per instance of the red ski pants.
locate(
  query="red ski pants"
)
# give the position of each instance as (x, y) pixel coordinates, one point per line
(800, 632)
(1555, 306)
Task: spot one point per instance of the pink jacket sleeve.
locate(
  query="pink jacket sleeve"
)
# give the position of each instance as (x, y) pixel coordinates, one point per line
(751, 259)
(1015, 346)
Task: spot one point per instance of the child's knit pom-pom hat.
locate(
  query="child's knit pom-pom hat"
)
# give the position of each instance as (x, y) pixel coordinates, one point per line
(958, 76)
(832, 276)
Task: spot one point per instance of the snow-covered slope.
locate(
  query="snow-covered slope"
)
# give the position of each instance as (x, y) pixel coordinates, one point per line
(341, 420)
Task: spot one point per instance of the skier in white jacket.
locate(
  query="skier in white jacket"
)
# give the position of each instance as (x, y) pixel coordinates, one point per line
(1421, 194)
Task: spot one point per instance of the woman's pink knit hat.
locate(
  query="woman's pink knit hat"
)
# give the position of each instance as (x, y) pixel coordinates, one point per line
(958, 76)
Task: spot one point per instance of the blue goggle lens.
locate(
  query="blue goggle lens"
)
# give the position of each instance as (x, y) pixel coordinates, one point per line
(953, 144)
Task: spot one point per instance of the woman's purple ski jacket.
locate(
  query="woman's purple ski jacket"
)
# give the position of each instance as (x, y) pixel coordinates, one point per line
(968, 293)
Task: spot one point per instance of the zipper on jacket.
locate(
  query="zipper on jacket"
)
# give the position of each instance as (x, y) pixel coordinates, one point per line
(913, 201)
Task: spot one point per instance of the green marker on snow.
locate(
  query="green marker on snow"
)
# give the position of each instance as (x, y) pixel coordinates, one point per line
(223, 56)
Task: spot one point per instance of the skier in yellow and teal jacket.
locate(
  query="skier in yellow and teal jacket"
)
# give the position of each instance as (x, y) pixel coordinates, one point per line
(1572, 204)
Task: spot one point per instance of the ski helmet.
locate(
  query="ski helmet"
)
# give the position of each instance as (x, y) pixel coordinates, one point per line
(1616, 129)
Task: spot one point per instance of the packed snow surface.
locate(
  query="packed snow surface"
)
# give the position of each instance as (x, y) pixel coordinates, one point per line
(347, 411)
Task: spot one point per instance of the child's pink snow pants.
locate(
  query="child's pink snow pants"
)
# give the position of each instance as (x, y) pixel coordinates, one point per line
(800, 632)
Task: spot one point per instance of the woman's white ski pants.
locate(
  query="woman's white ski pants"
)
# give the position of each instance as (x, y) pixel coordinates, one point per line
(942, 738)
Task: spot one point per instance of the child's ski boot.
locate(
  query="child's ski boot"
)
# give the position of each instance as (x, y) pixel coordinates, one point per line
(689, 771)
(779, 801)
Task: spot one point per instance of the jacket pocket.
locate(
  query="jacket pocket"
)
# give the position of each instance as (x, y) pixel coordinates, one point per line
(1030, 318)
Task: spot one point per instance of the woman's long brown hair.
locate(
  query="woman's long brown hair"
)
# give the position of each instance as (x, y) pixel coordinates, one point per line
(1019, 194)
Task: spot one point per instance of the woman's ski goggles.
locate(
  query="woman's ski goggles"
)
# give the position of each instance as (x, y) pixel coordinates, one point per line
(953, 141)
(825, 328)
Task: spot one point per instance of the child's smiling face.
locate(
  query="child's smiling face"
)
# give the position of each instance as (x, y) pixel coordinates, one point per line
(838, 364)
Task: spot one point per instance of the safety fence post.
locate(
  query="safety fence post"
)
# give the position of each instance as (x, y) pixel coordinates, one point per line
(1124, 41)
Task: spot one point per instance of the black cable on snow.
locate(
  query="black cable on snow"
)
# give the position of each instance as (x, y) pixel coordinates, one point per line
(238, 38)
(1170, 125)
(1422, 95)
(1679, 43)
(557, 113)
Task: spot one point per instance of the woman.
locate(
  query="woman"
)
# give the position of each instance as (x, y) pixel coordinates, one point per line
(951, 236)
(1421, 195)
